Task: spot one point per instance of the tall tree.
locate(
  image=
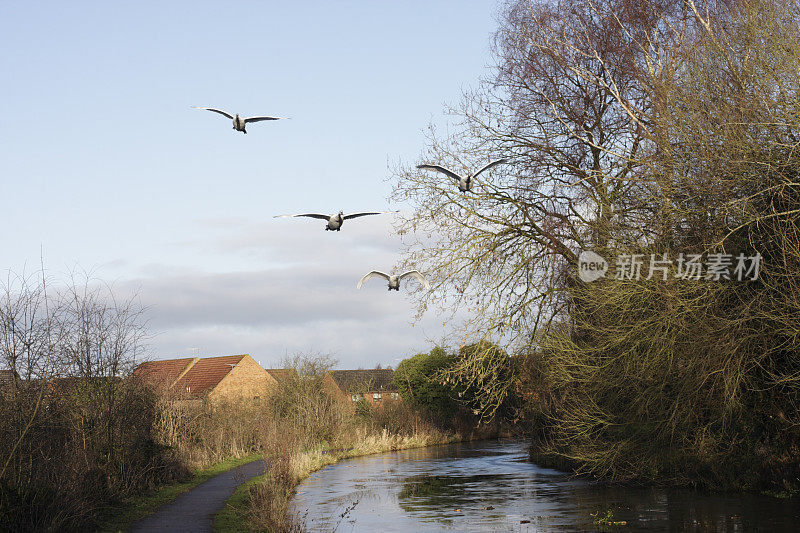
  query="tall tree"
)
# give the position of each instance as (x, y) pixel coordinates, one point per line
(559, 107)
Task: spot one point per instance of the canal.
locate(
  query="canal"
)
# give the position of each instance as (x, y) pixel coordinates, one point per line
(492, 486)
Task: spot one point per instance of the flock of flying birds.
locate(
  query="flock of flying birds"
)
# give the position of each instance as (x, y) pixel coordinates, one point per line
(334, 222)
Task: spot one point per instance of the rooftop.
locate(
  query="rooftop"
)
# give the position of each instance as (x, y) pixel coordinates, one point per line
(162, 373)
(192, 375)
(282, 374)
(206, 373)
(360, 381)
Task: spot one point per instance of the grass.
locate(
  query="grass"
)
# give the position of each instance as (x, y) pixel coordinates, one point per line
(120, 518)
(230, 519)
(310, 461)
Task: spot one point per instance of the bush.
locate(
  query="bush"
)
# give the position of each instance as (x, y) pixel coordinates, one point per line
(420, 380)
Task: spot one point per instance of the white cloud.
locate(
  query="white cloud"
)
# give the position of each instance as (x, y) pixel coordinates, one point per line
(300, 298)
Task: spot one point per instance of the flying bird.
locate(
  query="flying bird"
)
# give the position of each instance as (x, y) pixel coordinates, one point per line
(334, 222)
(464, 182)
(394, 281)
(239, 123)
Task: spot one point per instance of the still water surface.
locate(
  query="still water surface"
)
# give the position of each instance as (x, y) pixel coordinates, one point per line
(492, 486)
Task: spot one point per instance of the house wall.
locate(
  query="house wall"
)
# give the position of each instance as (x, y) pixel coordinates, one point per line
(247, 380)
(385, 398)
(330, 387)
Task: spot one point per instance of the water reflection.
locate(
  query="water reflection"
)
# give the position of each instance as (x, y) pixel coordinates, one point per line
(491, 486)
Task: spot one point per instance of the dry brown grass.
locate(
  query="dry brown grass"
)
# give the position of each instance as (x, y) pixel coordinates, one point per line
(202, 433)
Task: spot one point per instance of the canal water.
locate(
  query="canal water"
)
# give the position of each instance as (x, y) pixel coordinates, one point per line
(492, 486)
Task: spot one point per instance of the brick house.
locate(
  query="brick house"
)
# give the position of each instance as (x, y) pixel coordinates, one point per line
(376, 387)
(215, 378)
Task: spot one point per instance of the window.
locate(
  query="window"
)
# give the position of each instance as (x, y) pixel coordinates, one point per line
(376, 397)
(355, 397)
(395, 396)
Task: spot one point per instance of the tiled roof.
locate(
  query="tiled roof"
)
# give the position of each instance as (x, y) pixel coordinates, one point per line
(162, 373)
(206, 373)
(360, 381)
(282, 374)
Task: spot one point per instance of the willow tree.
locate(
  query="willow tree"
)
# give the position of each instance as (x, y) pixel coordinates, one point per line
(696, 381)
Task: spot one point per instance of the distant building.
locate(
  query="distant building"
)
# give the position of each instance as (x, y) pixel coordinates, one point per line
(216, 378)
(375, 387)
(6, 382)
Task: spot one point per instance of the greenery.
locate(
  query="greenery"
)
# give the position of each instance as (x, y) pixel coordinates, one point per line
(479, 379)
(231, 517)
(695, 382)
(74, 435)
(607, 519)
(420, 380)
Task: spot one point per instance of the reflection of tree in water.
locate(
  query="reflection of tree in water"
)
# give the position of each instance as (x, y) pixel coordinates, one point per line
(446, 499)
(674, 509)
(426, 492)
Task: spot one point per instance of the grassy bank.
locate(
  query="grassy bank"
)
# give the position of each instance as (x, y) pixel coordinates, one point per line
(263, 502)
(121, 517)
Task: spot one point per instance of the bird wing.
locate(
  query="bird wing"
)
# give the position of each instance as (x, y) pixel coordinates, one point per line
(310, 215)
(356, 215)
(259, 119)
(442, 170)
(220, 111)
(490, 165)
(373, 274)
(419, 277)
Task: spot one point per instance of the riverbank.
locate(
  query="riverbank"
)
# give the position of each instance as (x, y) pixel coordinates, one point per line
(263, 502)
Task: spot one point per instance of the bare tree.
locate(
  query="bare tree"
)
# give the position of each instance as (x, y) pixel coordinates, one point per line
(73, 432)
(554, 109)
(558, 107)
(27, 340)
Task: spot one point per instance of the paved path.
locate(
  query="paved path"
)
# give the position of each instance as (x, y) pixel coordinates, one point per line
(194, 511)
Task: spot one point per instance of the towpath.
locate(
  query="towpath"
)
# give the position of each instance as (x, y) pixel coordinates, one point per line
(193, 511)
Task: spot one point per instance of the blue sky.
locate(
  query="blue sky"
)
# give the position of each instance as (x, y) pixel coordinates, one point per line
(106, 168)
